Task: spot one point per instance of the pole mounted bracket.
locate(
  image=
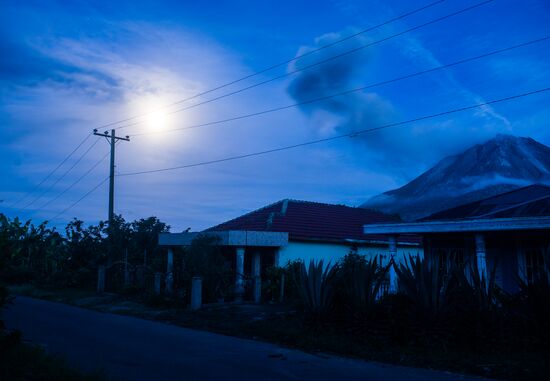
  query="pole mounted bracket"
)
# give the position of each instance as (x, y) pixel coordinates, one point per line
(111, 135)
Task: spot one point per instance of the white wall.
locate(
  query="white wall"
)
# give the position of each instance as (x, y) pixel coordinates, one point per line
(333, 252)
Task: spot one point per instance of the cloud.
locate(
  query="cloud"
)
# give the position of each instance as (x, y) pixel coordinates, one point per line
(346, 114)
(403, 149)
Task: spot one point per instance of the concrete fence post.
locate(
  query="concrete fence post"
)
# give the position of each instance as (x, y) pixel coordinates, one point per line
(239, 274)
(101, 278)
(257, 289)
(196, 293)
(169, 282)
(158, 283)
(257, 281)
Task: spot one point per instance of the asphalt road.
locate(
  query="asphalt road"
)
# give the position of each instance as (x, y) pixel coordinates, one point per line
(128, 348)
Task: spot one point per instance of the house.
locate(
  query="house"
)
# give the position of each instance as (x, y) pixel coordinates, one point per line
(509, 233)
(295, 230)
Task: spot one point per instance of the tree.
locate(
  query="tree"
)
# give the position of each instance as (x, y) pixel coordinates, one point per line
(145, 234)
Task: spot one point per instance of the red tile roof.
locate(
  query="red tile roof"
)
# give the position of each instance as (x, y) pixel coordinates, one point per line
(305, 220)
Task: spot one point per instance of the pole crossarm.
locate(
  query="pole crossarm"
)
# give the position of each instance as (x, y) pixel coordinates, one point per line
(106, 134)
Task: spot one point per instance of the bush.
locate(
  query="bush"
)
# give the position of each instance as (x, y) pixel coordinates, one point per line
(204, 258)
(4, 300)
(271, 284)
(19, 361)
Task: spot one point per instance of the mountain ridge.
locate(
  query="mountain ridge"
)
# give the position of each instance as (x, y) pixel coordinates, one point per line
(501, 164)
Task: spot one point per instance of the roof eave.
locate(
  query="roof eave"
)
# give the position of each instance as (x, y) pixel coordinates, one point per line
(452, 226)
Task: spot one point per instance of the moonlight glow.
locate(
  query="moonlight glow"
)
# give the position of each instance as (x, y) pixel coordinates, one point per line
(157, 120)
(156, 117)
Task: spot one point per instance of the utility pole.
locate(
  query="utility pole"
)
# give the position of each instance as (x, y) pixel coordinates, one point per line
(112, 138)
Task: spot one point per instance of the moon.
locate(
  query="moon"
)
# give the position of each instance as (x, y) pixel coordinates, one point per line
(157, 120)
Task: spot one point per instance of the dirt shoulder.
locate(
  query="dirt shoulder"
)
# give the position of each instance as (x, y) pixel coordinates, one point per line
(281, 325)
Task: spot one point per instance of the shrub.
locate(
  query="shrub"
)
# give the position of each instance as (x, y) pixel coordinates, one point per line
(532, 306)
(204, 258)
(271, 284)
(4, 300)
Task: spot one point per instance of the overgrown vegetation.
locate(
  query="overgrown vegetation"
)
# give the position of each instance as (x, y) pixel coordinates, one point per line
(204, 258)
(444, 314)
(129, 251)
(30, 253)
(439, 307)
(21, 361)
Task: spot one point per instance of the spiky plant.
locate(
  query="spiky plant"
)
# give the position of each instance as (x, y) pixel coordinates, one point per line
(425, 284)
(533, 300)
(482, 287)
(316, 285)
(361, 280)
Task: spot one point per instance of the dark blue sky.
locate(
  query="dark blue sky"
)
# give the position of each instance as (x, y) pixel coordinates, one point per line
(68, 67)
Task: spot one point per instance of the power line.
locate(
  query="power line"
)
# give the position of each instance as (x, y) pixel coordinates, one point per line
(62, 176)
(351, 134)
(75, 183)
(51, 173)
(83, 176)
(269, 68)
(80, 199)
(263, 112)
(354, 50)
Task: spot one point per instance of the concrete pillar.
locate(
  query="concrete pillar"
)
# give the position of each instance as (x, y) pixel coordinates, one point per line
(481, 259)
(158, 283)
(101, 278)
(392, 249)
(277, 257)
(169, 271)
(196, 293)
(256, 273)
(239, 274)
(282, 289)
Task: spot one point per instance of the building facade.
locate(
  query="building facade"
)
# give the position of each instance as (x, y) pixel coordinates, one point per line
(508, 234)
(291, 230)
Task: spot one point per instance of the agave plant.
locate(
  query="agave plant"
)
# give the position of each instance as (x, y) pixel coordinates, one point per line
(361, 280)
(316, 286)
(534, 298)
(424, 282)
(483, 288)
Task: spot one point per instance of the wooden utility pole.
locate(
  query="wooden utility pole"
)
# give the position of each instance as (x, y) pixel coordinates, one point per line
(112, 138)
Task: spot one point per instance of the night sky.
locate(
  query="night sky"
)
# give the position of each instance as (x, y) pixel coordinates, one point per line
(67, 67)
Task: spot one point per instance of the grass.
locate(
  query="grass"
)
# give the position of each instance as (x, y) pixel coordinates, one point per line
(279, 324)
(21, 361)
